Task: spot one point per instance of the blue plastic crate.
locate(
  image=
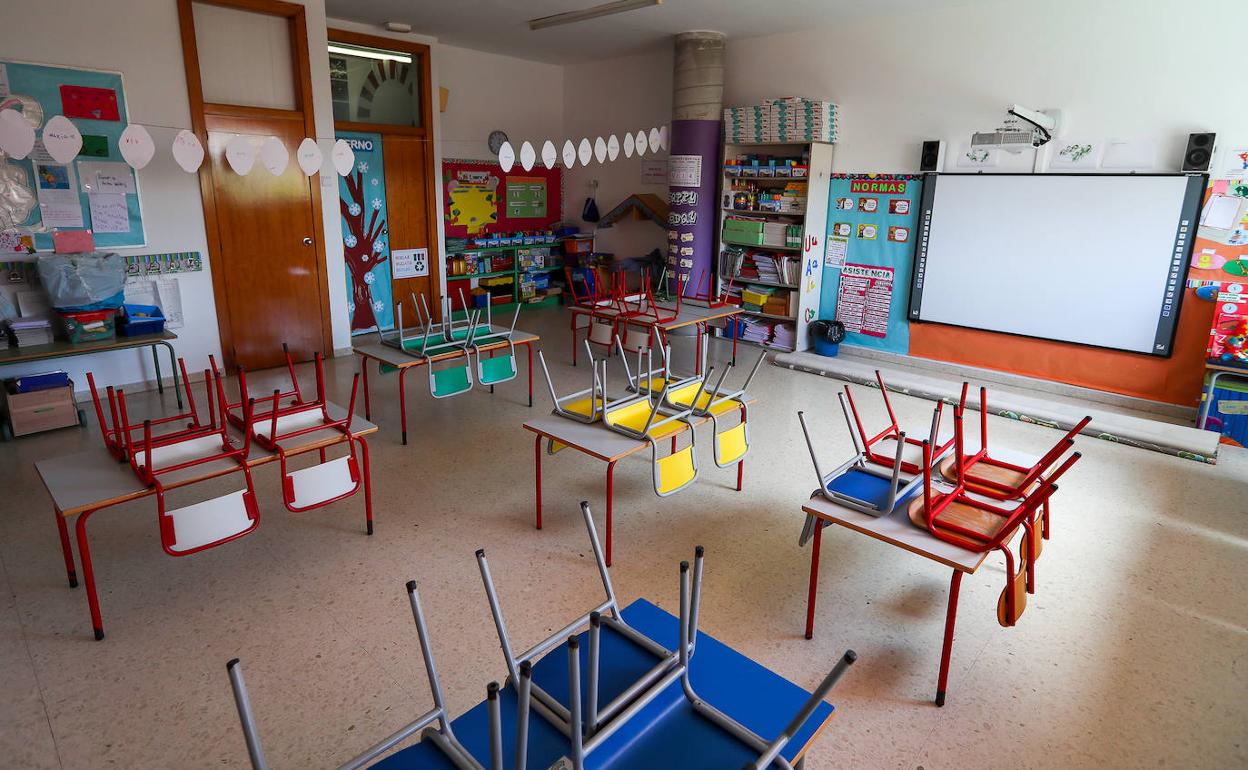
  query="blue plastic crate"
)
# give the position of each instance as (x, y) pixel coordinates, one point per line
(136, 320)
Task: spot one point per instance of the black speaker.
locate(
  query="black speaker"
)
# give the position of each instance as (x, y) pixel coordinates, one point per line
(1199, 153)
(932, 158)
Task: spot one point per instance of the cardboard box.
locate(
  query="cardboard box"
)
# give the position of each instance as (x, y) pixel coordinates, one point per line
(40, 410)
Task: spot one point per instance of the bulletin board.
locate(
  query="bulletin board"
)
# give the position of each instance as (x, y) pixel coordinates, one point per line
(1220, 251)
(366, 235)
(95, 102)
(478, 197)
(868, 257)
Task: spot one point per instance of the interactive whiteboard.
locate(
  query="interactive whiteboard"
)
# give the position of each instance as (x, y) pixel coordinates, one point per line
(1093, 259)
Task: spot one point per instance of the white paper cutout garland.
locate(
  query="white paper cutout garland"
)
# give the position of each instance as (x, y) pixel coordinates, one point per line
(640, 142)
(137, 147)
(343, 157)
(584, 151)
(274, 156)
(569, 154)
(62, 139)
(187, 151)
(628, 145)
(550, 156)
(613, 148)
(528, 156)
(600, 149)
(654, 140)
(17, 136)
(663, 138)
(506, 157)
(309, 156)
(240, 153)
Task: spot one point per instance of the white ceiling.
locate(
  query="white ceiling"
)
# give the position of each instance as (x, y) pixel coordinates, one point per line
(499, 26)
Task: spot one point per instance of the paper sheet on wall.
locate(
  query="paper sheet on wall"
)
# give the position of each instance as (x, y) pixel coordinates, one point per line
(1221, 212)
(170, 302)
(409, 263)
(109, 213)
(58, 195)
(96, 176)
(835, 251)
(864, 297)
(141, 292)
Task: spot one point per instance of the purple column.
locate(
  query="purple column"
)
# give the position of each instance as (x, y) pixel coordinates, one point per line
(692, 224)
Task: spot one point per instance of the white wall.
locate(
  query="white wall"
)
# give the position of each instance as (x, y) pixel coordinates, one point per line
(1116, 68)
(615, 96)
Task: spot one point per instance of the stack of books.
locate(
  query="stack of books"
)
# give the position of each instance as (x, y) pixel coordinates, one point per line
(26, 332)
(784, 335)
(746, 125)
(795, 119)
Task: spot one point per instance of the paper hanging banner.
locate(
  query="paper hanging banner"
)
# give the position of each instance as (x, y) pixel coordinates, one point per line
(188, 151)
(584, 151)
(137, 147)
(343, 157)
(569, 154)
(628, 145)
(613, 148)
(528, 156)
(309, 156)
(640, 143)
(506, 156)
(17, 136)
(663, 137)
(600, 150)
(654, 139)
(61, 139)
(550, 156)
(274, 156)
(240, 153)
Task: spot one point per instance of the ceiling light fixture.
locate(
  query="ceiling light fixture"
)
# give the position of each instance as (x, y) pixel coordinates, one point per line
(596, 12)
(369, 53)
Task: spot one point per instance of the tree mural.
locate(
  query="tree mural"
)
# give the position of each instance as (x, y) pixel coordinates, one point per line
(362, 244)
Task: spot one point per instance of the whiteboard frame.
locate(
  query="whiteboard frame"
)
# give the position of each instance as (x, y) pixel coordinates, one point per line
(1181, 255)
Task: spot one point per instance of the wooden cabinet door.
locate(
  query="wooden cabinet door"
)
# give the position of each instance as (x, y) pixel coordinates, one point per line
(409, 167)
(269, 262)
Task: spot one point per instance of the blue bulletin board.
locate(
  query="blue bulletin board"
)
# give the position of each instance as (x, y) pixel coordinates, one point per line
(97, 107)
(869, 257)
(366, 236)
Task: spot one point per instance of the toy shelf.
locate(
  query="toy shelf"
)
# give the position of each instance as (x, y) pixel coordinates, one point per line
(765, 212)
(761, 246)
(480, 275)
(737, 280)
(516, 272)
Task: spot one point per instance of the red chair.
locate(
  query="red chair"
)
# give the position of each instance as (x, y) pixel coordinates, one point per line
(112, 430)
(893, 433)
(293, 397)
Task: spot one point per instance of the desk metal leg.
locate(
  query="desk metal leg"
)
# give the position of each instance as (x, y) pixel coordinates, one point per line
(947, 650)
(572, 327)
(537, 480)
(529, 348)
(66, 550)
(813, 592)
(740, 474)
(733, 321)
(368, 486)
(610, 503)
(88, 575)
(403, 402)
(1208, 403)
(173, 367)
(368, 406)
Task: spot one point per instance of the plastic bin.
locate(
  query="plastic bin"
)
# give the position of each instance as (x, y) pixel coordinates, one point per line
(1228, 414)
(136, 320)
(91, 326)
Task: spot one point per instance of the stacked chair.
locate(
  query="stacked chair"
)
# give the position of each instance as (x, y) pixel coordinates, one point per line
(168, 427)
(597, 693)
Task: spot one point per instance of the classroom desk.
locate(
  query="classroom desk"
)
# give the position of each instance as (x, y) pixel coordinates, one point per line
(388, 355)
(690, 314)
(1216, 371)
(84, 483)
(664, 734)
(601, 443)
(10, 356)
(896, 529)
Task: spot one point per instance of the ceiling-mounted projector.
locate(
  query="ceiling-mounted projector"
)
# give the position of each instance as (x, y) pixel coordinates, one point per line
(1023, 129)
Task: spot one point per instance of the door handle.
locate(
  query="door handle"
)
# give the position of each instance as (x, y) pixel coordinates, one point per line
(307, 241)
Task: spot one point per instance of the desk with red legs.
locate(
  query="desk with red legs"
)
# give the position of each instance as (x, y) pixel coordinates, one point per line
(90, 481)
(896, 529)
(691, 314)
(600, 443)
(372, 349)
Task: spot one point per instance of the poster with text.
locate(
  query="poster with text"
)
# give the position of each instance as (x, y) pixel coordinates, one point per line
(865, 285)
(366, 236)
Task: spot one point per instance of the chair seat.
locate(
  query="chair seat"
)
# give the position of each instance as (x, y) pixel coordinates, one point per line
(583, 406)
(731, 445)
(288, 423)
(985, 472)
(987, 525)
(864, 487)
(320, 483)
(210, 521)
(492, 371)
(675, 471)
(451, 381)
(634, 416)
(183, 451)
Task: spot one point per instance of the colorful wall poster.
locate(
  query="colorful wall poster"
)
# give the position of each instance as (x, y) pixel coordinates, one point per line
(477, 198)
(872, 225)
(365, 235)
(95, 103)
(1220, 250)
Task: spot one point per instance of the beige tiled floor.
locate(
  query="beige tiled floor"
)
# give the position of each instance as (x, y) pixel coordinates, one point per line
(1133, 652)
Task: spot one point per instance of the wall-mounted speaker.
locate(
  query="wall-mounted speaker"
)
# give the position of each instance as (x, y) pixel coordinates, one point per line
(932, 158)
(1198, 156)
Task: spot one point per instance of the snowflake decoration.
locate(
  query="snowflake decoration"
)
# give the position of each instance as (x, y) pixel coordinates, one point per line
(363, 167)
(378, 246)
(350, 240)
(370, 278)
(354, 208)
(378, 306)
(350, 307)
(376, 204)
(375, 182)
(363, 257)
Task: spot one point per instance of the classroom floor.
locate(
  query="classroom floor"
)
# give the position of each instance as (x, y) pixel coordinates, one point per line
(1133, 652)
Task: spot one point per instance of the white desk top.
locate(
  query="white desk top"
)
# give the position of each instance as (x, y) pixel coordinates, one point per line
(387, 354)
(593, 439)
(95, 479)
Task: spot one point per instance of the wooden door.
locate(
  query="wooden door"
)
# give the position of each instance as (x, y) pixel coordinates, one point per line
(409, 207)
(270, 269)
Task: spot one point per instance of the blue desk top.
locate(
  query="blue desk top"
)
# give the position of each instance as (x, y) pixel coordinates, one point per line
(668, 732)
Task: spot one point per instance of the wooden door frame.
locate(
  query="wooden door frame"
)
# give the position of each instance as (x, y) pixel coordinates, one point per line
(296, 18)
(423, 132)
